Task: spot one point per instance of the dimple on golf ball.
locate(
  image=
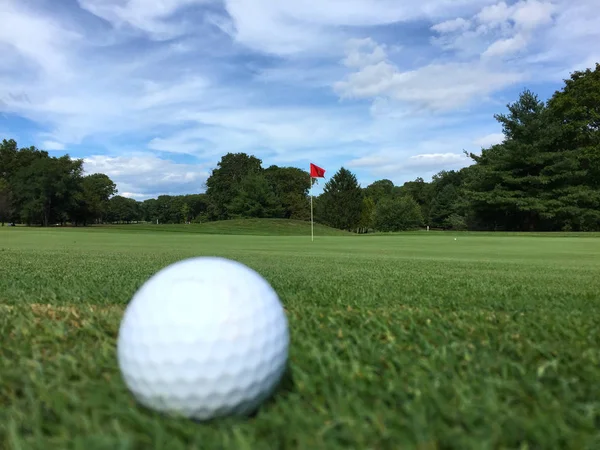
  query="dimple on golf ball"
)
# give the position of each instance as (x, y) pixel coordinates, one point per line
(205, 337)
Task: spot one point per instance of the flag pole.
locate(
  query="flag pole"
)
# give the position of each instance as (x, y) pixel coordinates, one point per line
(314, 172)
(312, 231)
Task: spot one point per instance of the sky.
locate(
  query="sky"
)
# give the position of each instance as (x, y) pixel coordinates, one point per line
(153, 93)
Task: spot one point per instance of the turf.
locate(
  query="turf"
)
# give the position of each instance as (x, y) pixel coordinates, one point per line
(257, 227)
(412, 341)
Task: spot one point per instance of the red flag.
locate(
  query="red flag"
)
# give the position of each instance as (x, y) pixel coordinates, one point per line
(316, 171)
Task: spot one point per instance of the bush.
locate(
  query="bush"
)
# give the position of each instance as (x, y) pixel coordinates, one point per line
(398, 214)
(456, 222)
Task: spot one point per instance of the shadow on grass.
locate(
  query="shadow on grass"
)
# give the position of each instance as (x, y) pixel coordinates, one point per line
(286, 386)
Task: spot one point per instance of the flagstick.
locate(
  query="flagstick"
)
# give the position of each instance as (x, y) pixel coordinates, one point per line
(312, 231)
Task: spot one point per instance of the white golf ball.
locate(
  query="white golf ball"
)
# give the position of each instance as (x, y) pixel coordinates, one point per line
(203, 338)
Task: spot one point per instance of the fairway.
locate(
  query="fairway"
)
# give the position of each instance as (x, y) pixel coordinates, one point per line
(405, 341)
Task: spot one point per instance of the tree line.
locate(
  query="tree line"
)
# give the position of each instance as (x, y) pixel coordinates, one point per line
(544, 176)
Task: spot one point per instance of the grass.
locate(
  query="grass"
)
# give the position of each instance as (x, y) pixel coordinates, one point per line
(257, 227)
(412, 341)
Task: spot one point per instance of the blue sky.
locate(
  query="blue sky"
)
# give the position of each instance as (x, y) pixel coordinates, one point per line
(153, 93)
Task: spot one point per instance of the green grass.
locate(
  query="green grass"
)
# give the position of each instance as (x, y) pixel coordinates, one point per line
(257, 227)
(412, 341)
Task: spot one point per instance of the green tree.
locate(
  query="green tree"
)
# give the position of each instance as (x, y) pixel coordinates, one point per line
(97, 188)
(456, 222)
(8, 158)
(198, 205)
(47, 189)
(444, 205)
(509, 185)
(544, 175)
(291, 186)
(398, 214)
(149, 210)
(366, 215)
(379, 190)
(168, 209)
(576, 112)
(186, 212)
(224, 183)
(340, 204)
(420, 191)
(13, 161)
(444, 177)
(5, 201)
(254, 198)
(123, 210)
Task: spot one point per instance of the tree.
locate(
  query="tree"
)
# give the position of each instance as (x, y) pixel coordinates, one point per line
(576, 112)
(444, 177)
(510, 179)
(255, 198)
(291, 186)
(47, 189)
(8, 158)
(198, 204)
(97, 189)
(5, 201)
(456, 222)
(123, 209)
(149, 210)
(420, 191)
(340, 204)
(398, 214)
(544, 175)
(366, 215)
(379, 190)
(168, 209)
(224, 183)
(185, 212)
(443, 206)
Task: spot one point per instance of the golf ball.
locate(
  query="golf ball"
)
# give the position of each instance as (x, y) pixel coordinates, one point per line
(203, 338)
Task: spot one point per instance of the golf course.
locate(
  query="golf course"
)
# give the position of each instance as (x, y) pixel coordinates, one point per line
(415, 340)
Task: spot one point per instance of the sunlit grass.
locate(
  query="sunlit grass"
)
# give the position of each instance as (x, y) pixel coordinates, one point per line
(406, 341)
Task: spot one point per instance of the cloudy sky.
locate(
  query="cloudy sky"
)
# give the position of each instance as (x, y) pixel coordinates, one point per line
(154, 92)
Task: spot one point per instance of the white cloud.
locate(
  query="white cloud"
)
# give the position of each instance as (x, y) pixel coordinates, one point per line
(389, 165)
(432, 87)
(150, 17)
(494, 14)
(489, 140)
(434, 160)
(531, 14)
(52, 145)
(46, 44)
(146, 175)
(505, 46)
(425, 157)
(364, 52)
(282, 130)
(285, 28)
(134, 195)
(449, 26)
(497, 29)
(370, 161)
(301, 74)
(526, 14)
